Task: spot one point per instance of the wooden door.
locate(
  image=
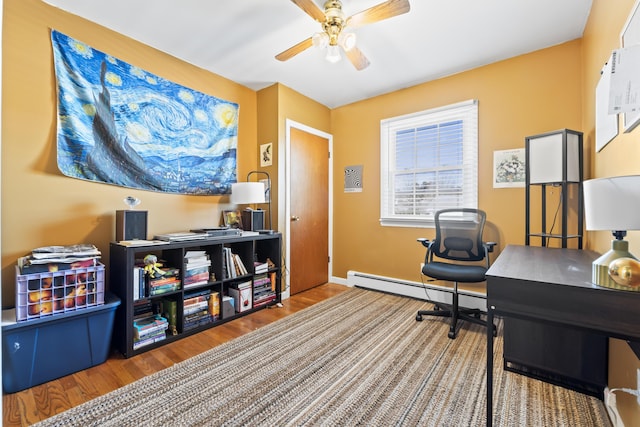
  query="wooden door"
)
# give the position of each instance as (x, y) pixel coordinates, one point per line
(309, 204)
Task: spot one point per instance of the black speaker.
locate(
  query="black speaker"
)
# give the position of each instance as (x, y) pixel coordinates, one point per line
(252, 220)
(131, 225)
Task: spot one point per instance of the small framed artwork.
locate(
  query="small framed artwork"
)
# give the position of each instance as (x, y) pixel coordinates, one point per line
(232, 219)
(266, 154)
(509, 168)
(353, 179)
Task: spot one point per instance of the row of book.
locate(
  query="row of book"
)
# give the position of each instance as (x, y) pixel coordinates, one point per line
(145, 286)
(200, 308)
(233, 266)
(154, 319)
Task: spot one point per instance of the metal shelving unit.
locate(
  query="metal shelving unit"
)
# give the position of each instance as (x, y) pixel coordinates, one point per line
(555, 160)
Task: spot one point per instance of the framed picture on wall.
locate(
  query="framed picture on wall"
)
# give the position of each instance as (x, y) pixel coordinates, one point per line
(630, 36)
(266, 154)
(509, 168)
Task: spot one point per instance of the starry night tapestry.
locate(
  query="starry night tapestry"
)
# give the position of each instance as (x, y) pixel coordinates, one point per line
(121, 125)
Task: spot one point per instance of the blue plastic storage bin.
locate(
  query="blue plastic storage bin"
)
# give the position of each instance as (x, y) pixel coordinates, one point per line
(41, 350)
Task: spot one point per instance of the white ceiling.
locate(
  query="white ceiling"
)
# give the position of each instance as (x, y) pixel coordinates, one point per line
(238, 39)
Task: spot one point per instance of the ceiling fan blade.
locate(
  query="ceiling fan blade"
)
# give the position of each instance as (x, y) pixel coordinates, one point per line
(294, 50)
(311, 9)
(357, 58)
(379, 12)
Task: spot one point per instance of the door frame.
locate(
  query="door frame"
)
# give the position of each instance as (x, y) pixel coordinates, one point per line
(284, 197)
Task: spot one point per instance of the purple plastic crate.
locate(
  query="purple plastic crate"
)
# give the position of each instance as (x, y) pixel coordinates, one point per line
(49, 293)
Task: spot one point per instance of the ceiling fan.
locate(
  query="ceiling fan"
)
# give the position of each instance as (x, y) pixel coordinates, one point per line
(333, 36)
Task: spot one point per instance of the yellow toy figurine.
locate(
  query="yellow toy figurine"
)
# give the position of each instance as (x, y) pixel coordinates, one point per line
(152, 267)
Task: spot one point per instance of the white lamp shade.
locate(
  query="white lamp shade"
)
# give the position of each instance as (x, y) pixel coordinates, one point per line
(245, 193)
(612, 203)
(546, 158)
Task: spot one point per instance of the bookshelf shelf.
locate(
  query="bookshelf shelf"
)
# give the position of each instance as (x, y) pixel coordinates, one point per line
(224, 278)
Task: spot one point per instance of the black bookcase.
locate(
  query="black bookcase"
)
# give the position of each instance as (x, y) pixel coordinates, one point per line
(249, 249)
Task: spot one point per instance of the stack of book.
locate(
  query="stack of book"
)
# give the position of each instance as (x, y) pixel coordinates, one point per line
(148, 330)
(263, 289)
(196, 269)
(233, 265)
(260, 267)
(197, 309)
(169, 281)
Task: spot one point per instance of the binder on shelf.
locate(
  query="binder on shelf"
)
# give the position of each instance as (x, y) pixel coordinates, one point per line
(242, 296)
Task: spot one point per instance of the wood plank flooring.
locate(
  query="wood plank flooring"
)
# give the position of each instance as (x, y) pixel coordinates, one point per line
(40, 402)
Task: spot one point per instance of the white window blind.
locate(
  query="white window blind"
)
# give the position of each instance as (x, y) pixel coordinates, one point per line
(429, 161)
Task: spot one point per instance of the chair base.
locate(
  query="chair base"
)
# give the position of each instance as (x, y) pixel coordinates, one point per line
(455, 313)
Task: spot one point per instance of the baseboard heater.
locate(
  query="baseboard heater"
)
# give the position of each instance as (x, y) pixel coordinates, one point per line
(425, 291)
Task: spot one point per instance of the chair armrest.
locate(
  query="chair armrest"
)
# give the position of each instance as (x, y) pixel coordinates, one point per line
(425, 242)
(489, 246)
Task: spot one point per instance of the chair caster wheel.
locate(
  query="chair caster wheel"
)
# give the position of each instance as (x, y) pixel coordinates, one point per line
(419, 318)
(451, 335)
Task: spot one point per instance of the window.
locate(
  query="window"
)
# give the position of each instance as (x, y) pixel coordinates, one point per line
(428, 162)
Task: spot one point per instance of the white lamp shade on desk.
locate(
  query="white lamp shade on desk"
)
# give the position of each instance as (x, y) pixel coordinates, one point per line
(612, 203)
(246, 193)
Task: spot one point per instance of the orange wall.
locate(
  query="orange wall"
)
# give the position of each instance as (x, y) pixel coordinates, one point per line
(40, 206)
(523, 96)
(541, 91)
(620, 157)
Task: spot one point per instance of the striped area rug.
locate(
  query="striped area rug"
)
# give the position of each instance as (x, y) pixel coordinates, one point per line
(359, 358)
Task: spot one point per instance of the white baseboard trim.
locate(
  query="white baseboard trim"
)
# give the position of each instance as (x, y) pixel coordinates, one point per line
(418, 290)
(339, 281)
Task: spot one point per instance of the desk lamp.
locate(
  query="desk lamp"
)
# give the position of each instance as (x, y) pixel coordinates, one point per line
(614, 204)
(246, 193)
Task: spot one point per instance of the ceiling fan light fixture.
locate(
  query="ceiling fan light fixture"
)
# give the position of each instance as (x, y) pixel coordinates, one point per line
(347, 40)
(320, 40)
(334, 21)
(333, 54)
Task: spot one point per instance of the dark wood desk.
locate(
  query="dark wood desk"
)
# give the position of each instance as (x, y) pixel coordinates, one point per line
(554, 285)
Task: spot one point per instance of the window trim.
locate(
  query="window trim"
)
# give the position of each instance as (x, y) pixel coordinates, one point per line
(468, 111)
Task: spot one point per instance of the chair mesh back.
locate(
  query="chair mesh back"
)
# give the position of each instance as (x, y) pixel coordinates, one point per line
(459, 234)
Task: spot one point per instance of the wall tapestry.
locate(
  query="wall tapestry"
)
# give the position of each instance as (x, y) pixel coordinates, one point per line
(121, 125)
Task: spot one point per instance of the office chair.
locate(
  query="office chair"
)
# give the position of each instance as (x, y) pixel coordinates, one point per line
(458, 238)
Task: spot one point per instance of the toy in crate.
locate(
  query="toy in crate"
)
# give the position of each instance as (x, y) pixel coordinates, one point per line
(66, 285)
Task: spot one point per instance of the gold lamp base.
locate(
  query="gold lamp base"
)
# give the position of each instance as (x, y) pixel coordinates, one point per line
(615, 268)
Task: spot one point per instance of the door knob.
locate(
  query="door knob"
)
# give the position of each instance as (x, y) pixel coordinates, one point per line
(295, 218)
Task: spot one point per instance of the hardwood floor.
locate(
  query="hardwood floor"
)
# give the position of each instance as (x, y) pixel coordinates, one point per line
(40, 402)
